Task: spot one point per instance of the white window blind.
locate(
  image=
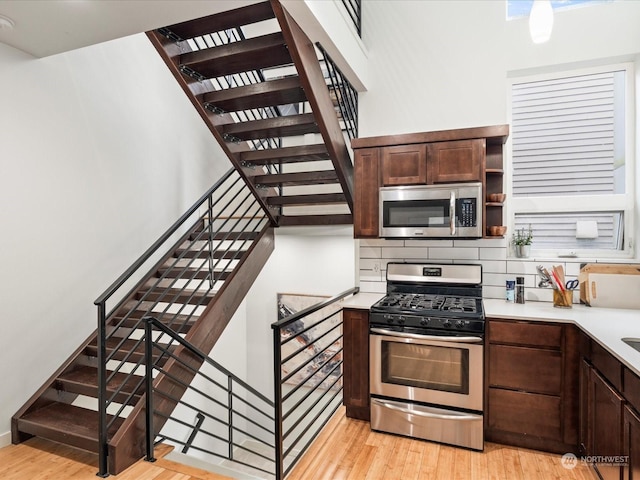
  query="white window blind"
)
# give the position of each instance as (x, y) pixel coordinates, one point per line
(568, 160)
(564, 136)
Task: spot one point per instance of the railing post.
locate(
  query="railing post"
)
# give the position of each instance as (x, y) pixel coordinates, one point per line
(103, 470)
(148, 374)
(230, 409)
(210, 228)
(277, 400)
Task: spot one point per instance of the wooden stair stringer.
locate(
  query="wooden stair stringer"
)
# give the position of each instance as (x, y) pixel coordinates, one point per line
(127, 446)
(306, 61)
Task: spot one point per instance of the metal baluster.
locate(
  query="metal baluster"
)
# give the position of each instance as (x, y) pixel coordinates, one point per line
(102, 392)
(148, 365)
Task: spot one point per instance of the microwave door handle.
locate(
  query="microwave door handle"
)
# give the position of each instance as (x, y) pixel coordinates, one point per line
(452, 213)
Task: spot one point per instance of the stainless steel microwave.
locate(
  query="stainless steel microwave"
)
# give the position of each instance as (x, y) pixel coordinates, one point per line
(431, 211)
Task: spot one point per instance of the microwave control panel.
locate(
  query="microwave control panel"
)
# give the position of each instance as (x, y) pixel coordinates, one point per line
(466, 212)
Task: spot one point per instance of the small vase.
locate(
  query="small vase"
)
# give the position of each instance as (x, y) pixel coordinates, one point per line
(522, 251)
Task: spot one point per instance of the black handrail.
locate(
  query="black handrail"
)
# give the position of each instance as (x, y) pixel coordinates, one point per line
(184, 274)
(153, 325)
(322, 344)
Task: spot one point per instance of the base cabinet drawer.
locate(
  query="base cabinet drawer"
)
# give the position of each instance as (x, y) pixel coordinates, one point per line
(526, 413)
(528, 369)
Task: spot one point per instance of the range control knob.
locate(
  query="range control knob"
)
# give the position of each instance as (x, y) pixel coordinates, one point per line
(389, 318)
(459, 324)
(446, 324)
(400, 320)
(424, 321)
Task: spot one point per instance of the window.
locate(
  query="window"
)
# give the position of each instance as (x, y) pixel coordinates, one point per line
(521, 8)
(572, 168)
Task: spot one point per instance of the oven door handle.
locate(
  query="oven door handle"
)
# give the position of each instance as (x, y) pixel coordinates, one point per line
(423, 413)
(417, 336)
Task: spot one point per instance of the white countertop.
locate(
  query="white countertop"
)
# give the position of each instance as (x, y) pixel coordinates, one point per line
(607, 326)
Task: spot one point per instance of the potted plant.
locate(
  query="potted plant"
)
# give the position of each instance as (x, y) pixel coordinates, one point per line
(522, 239)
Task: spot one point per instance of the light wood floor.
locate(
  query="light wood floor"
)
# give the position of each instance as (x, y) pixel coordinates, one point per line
(346, 449)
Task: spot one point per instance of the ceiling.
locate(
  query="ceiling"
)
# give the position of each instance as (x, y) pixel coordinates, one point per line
(47, 27)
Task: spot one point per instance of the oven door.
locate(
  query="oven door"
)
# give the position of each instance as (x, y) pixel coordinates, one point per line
(440, 370)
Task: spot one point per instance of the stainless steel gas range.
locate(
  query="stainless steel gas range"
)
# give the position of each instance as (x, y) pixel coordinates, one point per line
(426, 354)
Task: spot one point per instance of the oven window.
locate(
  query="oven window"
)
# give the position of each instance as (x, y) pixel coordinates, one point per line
(416, 213)
(426, 366)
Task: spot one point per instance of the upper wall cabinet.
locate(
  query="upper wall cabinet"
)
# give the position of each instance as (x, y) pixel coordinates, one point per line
(447, 156)
(404, 165)
(456, 161)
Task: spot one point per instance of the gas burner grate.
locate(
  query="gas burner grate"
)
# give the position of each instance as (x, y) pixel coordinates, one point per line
(459, 304)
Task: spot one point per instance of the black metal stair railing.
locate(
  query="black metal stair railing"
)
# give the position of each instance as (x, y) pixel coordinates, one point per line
(307, 377)
(173, 280)
(343, 94)
(354, 9)
(234, 421)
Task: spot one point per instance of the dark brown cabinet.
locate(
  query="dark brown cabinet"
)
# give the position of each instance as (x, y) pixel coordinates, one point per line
(457, 161)
(404, 165)
(448, 156)
(532, 378)
(365, 211)
(604, 413)
(356, 363)
(631, 444)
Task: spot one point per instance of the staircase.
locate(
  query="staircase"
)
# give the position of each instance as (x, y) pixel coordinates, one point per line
(255, 79)
(213, 254)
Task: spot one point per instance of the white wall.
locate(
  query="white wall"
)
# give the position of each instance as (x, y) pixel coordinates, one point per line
(441, 65)
(100, 152)
(313, 261)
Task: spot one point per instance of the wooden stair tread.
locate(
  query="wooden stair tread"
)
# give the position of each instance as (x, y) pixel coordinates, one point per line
(282, 91)
(199, 235)
(297, 178)
(130, 349)
(217, 254)
(84, 381)
(287, 126)
(299, 220)
(223, 21)
(237, 57)
(301, 153)
(66, 424)
(191, 273)
(178, 322)
(176, 295)
(312, 199)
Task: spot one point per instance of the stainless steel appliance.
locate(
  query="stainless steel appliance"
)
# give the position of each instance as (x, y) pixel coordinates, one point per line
(431, 211)
(426, 354)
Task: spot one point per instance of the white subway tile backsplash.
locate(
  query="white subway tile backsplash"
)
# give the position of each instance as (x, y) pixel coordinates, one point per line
(453, 253)
(493, 254)
(481, 243)
(493, 266)
(373, 287)
(419, 254)
(428, 243)
(380, 242)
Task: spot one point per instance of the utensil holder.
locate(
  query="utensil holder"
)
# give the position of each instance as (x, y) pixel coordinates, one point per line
(563, 299)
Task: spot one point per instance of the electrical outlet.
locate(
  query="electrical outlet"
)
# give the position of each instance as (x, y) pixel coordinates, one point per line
(376, 267)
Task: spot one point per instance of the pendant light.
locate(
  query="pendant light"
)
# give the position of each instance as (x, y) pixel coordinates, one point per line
(541, 21)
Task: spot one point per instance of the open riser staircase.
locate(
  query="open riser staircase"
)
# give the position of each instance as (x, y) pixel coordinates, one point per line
(213, 254)
(257, 81)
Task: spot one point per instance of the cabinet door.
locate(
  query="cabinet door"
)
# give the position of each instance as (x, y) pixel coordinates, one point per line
(404, 165)
(585, 433)
(366, 179)
(356, 363)
(456, 161)
(606, 413)
(631, 444)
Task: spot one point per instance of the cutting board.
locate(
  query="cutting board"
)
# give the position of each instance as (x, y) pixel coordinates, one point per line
(598, 268)
(613, 290)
